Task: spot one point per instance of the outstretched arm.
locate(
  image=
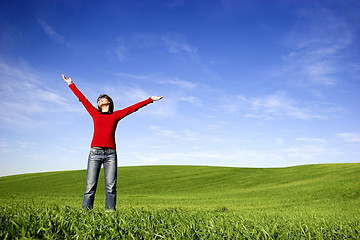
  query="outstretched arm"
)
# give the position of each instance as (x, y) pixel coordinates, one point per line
(89, 107)
(126, 111)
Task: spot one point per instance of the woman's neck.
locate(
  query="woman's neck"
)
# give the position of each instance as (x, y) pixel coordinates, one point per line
(105, 108)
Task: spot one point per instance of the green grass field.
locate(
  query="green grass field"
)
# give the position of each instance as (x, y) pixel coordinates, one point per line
(188, 202)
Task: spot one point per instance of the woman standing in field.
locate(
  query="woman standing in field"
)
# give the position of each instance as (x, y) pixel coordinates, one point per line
(103, 148)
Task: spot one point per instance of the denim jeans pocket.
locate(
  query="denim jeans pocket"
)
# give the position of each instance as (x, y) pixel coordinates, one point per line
(111, 152)
(93, 151)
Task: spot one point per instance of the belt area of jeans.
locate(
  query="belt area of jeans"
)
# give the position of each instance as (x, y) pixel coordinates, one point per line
(102, 148)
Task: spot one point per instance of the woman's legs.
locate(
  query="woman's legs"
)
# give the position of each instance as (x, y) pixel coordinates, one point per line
(93, 170)
(110, 170)
(97, 157)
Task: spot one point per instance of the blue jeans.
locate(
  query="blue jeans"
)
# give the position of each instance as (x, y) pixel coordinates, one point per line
(97, 157)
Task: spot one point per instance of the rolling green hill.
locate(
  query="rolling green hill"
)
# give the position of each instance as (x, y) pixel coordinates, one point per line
(309, 187)
(188, 202)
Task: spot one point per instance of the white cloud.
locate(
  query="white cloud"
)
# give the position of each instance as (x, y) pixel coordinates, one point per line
(312, 140)
(178, 82)
(188, 135)
(218, 125)
(128, 95)
(311, 149)
(305, 152)
(274, 106)
(5, 147)
(350, 137)
(125, 94)
(316, 43)
(128, 75)
(53, 35)
(175, 43)
(179, 158)
(159, 146)
(193, 100)
(119, 52)
(175, 3)
(253, 158)
(160, 131)
(172, 42)
(216, 139)
(191, 135)
(23, 95)
(12, 146)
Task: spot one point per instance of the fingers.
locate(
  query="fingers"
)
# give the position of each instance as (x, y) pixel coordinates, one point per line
(155, 98)
(68, 80)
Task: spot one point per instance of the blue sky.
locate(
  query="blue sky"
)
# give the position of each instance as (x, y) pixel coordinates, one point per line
(246, 83)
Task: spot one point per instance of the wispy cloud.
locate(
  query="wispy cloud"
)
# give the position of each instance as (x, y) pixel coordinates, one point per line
(175, 43)
(160, 131)
(5, 147)
(175, 3)
(188, 135)
(316, 42)
(191, 135)
(193, 100)
(319, 141)
(23, 96)
(350, 137)
(310, 152)
(275, 106)
(172, 42)
(193, 157)
(52, 34)
(314, 149)
(119, 52)
(13, 146)
(127, 94)
(178, 82)
(119, 49)
(134, 76)
(21, 82)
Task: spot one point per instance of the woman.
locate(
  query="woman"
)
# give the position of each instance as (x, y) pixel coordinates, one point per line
(103, 148)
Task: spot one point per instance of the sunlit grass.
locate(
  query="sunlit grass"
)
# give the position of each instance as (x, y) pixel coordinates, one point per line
(188, 202)
(54, 222)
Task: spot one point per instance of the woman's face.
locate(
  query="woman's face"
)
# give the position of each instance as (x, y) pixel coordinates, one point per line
(103, 101)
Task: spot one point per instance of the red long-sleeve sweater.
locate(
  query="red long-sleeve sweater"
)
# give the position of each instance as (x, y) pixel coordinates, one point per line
(105, 124)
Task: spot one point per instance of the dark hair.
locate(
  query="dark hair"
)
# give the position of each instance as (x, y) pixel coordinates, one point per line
(111, 106)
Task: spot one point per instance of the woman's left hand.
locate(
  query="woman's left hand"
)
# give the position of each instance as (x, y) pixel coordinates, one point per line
(155, 98)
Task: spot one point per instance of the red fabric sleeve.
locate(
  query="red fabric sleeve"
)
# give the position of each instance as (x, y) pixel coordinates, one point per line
(89, 107)
(126, 111)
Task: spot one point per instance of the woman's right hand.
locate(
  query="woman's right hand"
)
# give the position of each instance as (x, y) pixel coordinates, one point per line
(67, 80)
